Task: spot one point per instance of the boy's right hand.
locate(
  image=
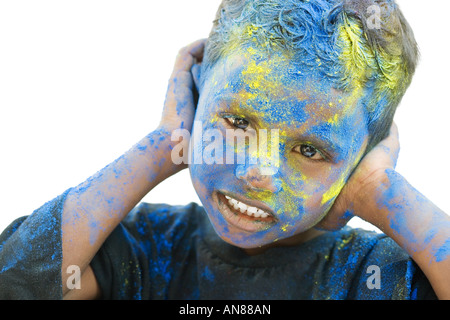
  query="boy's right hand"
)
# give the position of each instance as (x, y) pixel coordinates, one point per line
(381, 158)
(179, 106)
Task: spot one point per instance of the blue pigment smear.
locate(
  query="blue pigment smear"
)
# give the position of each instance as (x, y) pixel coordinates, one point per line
(414, 294)
(208, 274)
(141, 147)
(443, 252)
(398, 222)
(34, 251)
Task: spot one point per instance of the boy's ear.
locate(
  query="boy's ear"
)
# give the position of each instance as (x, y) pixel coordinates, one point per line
(195, 71)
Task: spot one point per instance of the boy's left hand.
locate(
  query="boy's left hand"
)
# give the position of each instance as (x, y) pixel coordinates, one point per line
(179, 106)
(383, 156)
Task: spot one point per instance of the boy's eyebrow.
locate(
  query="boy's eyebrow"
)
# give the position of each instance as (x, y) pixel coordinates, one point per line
(221, 97)
(320, 139)
(328, 145)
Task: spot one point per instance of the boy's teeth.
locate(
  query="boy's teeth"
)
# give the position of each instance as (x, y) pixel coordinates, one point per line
(262, 213)
(243, 208)
(252, 210)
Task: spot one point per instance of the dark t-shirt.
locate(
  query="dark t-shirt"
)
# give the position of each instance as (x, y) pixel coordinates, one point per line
(172, 252)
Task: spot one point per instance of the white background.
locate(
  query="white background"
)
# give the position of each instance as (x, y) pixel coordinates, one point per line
(82, 81)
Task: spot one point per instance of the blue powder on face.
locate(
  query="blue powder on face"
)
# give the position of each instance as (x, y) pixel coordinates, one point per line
(240, 171)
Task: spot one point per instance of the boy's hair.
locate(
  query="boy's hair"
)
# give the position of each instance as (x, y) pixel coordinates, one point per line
(357, 44)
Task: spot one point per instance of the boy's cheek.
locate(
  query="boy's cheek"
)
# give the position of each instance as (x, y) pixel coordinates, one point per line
(317, 195)
(300, 215)
(200, 188)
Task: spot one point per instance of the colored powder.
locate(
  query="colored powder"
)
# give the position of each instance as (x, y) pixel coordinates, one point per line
(443, 252)
(398, 209)
(208, 274)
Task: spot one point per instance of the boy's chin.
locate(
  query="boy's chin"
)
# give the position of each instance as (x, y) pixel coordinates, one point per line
(255, 246)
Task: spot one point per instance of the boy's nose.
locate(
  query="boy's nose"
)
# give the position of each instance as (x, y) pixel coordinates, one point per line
(256, 180)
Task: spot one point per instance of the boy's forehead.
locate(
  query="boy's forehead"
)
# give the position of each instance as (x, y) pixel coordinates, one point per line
(278, 94)
(275, 87)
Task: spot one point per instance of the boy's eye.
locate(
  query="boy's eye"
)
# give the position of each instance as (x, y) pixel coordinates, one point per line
(309, 152)
(238, 122)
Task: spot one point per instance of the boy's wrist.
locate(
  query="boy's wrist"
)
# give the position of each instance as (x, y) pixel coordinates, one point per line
(161, 151)
(369, 195)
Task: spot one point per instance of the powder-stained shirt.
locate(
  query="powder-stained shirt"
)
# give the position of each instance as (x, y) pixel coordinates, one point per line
(172, 252)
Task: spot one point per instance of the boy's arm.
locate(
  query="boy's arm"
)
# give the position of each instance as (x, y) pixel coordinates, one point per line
(378, 194)
(389, 202)
(95, 208)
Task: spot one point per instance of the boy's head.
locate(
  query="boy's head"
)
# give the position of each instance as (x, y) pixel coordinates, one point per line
(356, 44)
(327, 75)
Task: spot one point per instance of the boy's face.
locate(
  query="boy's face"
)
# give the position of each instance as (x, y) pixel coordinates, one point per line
(321, 134)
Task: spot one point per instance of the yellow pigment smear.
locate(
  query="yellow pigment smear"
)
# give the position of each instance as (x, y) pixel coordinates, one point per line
(358, 60)
(334, 190)
(345, 242)
(337, 186)
(361, 64)
(334, 119)
(251, 29)
(258, 73)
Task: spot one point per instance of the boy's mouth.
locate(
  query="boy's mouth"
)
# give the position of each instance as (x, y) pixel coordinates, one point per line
(244, 214)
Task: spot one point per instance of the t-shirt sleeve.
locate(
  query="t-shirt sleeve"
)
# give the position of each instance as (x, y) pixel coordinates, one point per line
(120, 267)
(142, 256)
(31, 254)
(389, 273)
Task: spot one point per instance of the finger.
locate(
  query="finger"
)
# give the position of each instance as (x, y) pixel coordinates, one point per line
(189, 55)
(394, 129)
(392, 140)
(197, 48)
(391, 144)
(393, 137)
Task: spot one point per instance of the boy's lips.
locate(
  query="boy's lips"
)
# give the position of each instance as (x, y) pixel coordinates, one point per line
(245, 214)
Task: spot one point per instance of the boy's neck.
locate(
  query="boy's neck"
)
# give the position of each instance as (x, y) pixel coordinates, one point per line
(288, 242)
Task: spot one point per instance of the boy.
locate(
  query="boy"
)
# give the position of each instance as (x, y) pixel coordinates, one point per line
(327, 82)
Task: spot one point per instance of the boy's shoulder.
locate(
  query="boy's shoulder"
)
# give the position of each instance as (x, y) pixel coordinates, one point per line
(349, 240)
(165, 221)
(374, 266)
(355, 247)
